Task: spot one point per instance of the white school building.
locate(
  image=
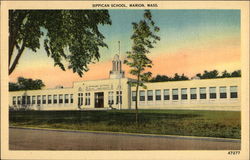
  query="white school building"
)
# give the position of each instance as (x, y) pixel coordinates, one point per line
(115, 92)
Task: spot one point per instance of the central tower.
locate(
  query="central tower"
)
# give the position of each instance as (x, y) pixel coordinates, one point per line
(116, 71)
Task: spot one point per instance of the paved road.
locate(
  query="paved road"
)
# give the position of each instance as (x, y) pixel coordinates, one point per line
(37, 139)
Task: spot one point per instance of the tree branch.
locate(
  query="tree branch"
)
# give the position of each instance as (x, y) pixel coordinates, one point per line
(20, 51)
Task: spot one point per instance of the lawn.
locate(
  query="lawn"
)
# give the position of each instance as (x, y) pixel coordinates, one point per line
(224, 124)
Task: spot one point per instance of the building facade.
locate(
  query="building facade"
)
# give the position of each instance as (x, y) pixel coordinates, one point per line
(115, 92)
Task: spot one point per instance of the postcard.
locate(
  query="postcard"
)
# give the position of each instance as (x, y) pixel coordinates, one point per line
(125, 80)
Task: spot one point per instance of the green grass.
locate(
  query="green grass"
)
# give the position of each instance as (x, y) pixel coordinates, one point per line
(224, 124)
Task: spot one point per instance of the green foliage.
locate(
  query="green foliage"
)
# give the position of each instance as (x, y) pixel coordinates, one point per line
(164, 78)
(205, 75)
(143, 39)
(208, 74)
(215, 74)
(236, 73)
(69, 35)
(26, 84)
(226, 124)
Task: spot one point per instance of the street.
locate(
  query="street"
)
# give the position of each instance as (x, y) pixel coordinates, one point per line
(45, 139)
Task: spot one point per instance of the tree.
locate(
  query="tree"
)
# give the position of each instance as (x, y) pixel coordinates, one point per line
(26, 84)
(143, 39)
(236, 73)
(160, 78)
(183, 77)
(208, 74)
(225, 74)
(68, 36)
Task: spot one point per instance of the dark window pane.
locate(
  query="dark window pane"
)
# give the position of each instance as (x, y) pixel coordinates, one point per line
(142, 98)
(158, 97)
(60, 101)
(166, 97)
(212, 95)
(150, 98)
(23, 100)
(184, 96)
(203, 96)
(223, 95)
(234, 95)
(28, 99)
(175, 97)
(193, 96)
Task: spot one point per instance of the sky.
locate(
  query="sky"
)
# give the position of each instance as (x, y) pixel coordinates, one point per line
(191, 41)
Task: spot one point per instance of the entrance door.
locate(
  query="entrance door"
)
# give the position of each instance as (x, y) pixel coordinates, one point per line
(99, 100)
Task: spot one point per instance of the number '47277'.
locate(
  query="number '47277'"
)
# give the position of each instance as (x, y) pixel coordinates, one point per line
(233, 152)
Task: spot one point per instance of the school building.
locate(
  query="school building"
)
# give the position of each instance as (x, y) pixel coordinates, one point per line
(115, 92)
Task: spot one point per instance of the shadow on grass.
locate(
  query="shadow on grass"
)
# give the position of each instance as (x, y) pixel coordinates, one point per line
(73, 117)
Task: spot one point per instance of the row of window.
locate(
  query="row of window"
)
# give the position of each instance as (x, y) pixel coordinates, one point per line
(184, 95)
(43, 99)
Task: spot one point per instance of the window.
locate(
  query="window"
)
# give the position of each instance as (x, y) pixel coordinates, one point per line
(28, 99)
(23, 100)
(117, 97)
(49, 99)
(55, 99)
(110, 98)
(44, 99)
(193, 94)
(175, 94)
(60, 98)
(203, 93)
(233, 92)
(87, 99)
(33, 100)
(142, 95)
(166, 94)
(66, 98)
(19, 100)
(184, 93)
(212, 92)
(133, 95)
(150, 95)
(80, 99)
(223, 92)
(14, 100)
(38, 99)
(71, 98)
(158, 95)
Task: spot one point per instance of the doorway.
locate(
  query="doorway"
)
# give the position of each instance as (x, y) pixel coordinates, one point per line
(99, 100)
